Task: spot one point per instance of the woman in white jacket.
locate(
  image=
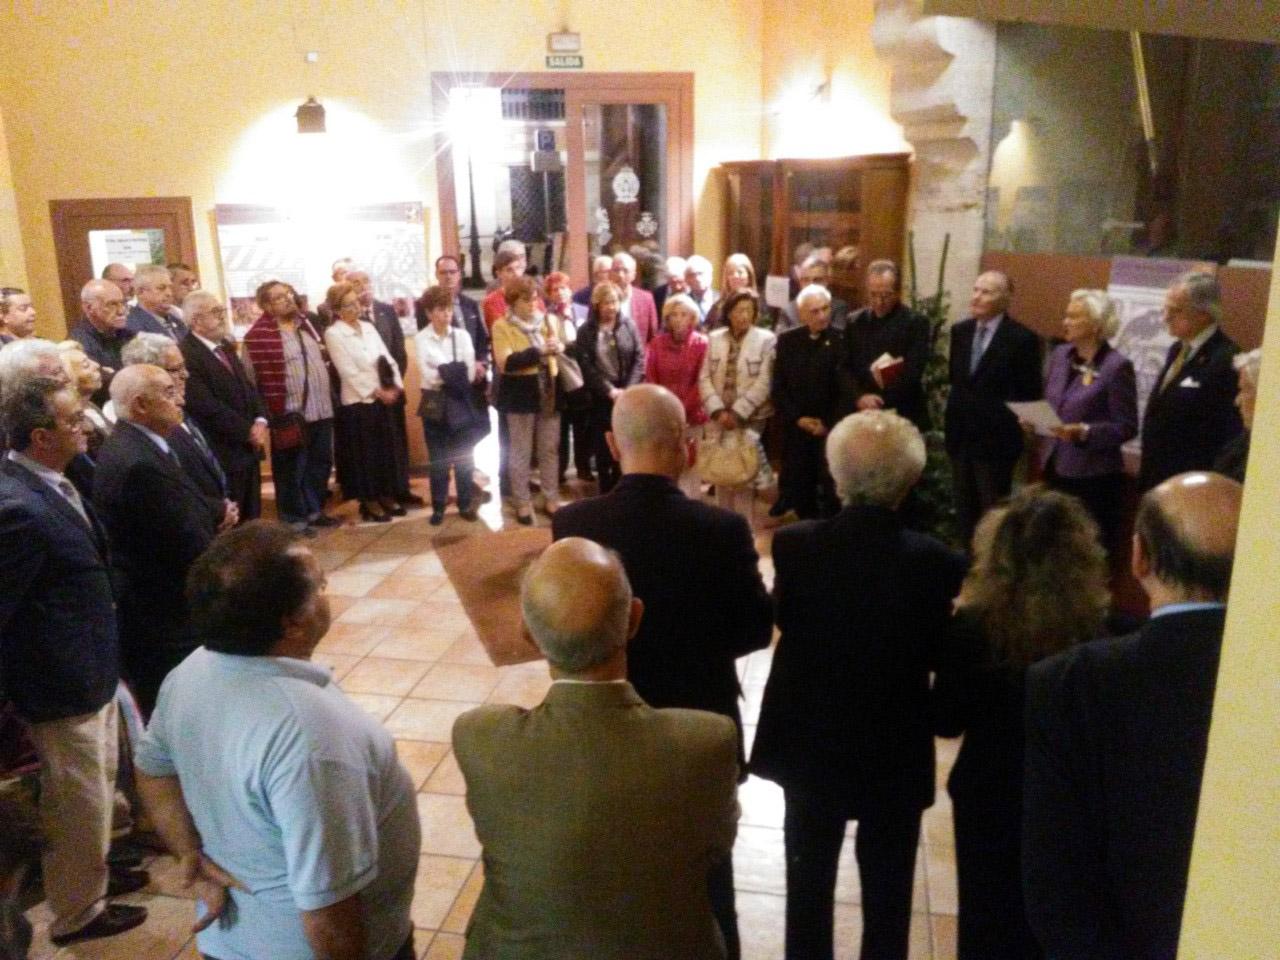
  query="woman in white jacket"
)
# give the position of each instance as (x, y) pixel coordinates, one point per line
(735, 383)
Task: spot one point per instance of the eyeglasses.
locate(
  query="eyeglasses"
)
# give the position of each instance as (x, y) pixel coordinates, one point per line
(179, 371)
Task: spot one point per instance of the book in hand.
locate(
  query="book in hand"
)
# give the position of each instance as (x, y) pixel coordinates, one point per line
(887, 369)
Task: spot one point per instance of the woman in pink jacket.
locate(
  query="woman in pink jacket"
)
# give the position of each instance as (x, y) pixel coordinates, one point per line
(673, 360)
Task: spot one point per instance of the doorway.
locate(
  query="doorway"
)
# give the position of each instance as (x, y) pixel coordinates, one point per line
(89, 234)
(572, 165)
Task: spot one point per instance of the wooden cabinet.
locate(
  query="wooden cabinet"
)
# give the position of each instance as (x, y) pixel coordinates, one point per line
(857, 206)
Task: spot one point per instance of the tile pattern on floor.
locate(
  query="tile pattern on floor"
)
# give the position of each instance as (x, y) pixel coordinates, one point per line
(401, 647)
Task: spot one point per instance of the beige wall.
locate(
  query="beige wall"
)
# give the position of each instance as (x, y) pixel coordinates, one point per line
(179, 98)
(808, 43)
(13, 263)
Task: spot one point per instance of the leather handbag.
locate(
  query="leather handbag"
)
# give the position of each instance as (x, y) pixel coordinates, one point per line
(289, 430)
(728, 458)
(569, 374)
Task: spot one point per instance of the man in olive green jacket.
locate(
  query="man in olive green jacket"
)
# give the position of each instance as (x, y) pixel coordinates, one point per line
(600, 816)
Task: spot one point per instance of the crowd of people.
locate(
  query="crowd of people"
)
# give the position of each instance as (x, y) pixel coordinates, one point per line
(149, 615)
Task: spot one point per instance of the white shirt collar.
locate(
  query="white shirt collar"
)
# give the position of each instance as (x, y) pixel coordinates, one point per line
(208, 343)
(158, 440)
(1201, 338)
(50, 476)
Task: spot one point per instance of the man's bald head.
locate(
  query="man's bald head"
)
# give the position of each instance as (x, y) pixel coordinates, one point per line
(1186, 534)
(647, 431)
(577, 605)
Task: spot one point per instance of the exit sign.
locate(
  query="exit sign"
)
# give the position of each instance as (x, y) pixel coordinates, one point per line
(564, 61)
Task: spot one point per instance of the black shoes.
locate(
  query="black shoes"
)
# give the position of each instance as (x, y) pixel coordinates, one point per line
(469, 515)
(367, 513)
(324, 520)
(410, 500)
(437, 517)
(122, 882)
(116, 918)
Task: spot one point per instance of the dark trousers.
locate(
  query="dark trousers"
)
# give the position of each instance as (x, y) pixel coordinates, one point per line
(401, 449)
(445, 452)
(1102, 496)
(608, 473)
(979, 485)
(301, 475)
(885, 846)
(993, 918)
(244, 486)
(720, 893)
(575, 419)
(805, 483)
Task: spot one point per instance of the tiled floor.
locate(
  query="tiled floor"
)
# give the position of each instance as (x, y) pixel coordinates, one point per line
(403, 649)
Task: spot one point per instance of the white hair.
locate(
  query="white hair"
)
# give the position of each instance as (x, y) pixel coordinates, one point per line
(875, 458)
(698, 262)
(675, 265)
(1249, 364)
(196, 302)
(514, 246)
(150, 273)
(814, 291)
(130, 384)
(1101, 309)
(1203, 292)
(146, 348)
(32, 357)
(96, 289)
(626, 258)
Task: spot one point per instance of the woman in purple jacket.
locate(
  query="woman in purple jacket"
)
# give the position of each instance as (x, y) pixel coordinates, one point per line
(1091, 386)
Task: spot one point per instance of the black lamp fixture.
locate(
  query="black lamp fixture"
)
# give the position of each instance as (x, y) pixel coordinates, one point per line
(310, 116)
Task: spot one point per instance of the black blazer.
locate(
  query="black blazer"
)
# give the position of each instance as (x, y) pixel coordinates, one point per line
(202, 472)
(159, 521)
(807, 376)
(978, 423)
(59, 647)
(630, 360)
(1117, 732)
(696, 569)
(900, 333)
(387, 324)
(1186, 424)
(863, 606)
(223, 403)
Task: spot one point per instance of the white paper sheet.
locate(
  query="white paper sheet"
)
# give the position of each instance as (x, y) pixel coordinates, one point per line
(1038, 413)
(777, 291)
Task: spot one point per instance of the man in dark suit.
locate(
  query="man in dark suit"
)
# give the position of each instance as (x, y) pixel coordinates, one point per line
(384, 319)
(1117, 732)
(223, 401)
(1191, 412)
(153, 311)
(994, 359)
(694, 566)
(887, 326)
(59, 654)
(102, 331)
(158, 521)
(600, 269)
(623, 808)
(863, 606)
(806, 393)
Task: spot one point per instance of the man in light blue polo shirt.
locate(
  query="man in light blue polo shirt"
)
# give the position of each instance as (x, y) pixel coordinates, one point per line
(283, 800)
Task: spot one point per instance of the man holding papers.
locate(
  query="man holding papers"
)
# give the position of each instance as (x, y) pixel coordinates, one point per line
(994, 359)
(886, 348)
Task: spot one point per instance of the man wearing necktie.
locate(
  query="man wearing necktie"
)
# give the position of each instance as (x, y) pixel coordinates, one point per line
(994, 359)
(60, 655)
(153, 311)
(1191, 412)
(223, 401)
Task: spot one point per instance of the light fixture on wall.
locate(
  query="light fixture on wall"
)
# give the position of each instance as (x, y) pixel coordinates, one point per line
(310, 116)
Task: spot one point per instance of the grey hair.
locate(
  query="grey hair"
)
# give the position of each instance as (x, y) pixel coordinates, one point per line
(146, 348)
(514, 246)
(1249, 364)
(814, 291)
(1203, 292)
(150, 273)
(697, 262)
(1101, 309)
(23, 359)
(602, 260)
(625, 258)
(95, 289)
(877, 268)
(815, 260)
(674, 264)
(196, 302)
(573, 651)
(875, 458)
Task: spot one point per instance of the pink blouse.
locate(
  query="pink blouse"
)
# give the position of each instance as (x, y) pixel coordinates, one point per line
(675, 366)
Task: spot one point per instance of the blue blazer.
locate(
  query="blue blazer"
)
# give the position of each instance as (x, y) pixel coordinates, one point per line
(143, 321)
(59, 645)
(1109, 405)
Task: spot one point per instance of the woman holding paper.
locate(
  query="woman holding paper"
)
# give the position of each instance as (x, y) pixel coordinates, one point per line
(1091, 387)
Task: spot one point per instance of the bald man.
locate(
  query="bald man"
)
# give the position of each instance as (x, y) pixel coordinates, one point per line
(1117, 732)
(600, 816)
(158, 522)
(694, 566)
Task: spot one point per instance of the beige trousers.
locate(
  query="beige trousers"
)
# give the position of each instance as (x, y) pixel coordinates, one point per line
(528, 432)
(77, 783)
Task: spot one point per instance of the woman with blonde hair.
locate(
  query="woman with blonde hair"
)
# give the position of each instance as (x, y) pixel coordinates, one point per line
(737, 274)
(1038, 585)
(673, 360)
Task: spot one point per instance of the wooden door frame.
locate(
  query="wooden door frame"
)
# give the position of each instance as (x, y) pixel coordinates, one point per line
(673, 90)
(73, 219)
